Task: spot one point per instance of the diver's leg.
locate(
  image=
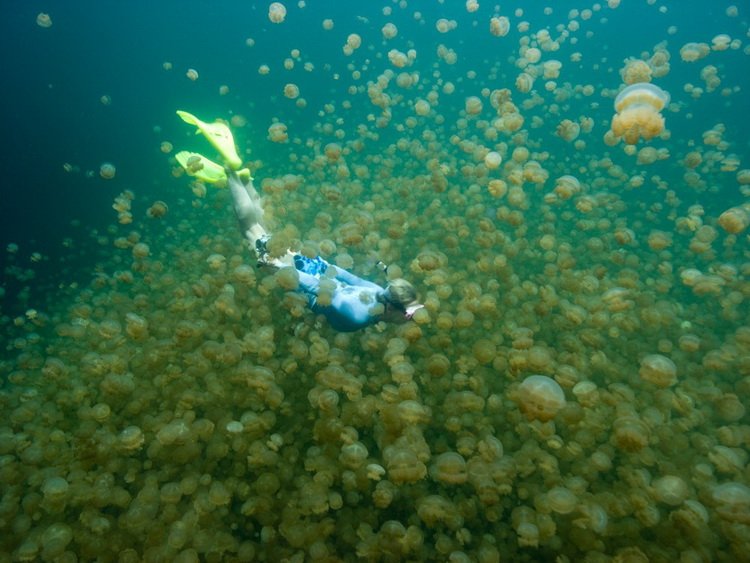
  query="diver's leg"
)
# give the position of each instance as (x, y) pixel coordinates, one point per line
(248, 210)
(246, 203)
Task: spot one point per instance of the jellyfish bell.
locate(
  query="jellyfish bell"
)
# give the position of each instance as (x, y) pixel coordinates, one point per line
(637, 114)
(276, 12)
(44, 20)
(107, 170)
(540, 397)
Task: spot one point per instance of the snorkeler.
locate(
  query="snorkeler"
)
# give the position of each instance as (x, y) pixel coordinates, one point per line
(351, 302)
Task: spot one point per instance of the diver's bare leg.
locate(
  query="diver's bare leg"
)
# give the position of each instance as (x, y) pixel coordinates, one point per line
(248, 210)
(246, 203)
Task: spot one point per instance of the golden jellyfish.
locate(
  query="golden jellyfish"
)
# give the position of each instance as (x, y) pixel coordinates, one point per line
(721, 42)
(238, 120)
(568, 130)
(551, 69)
(732, 502)
(398, 58)
(499, 26)
(157, 210)
(492, 160)
(473, 105)
(421, 107)
(540, 397)
(636, 71)
(670, 490)
(389, 31)
(192, 74)
(497, 188)
(735, 220)
(561, 500)
(354, 41)
(637, 112)
(659, 370)
(444, 26)
(291, 91)
(107, 170)
(43, 20)
(277, 133)
(567, 186)
(524, 82)
(166, 147)
(691, 52)
(276, 12)
(532, 55)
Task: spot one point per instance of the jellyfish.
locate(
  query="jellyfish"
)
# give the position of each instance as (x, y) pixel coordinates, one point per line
(638, 116)
(107, 170)
(43, 20)
(276, 12)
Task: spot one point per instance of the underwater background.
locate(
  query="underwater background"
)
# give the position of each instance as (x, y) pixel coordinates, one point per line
(163, 399)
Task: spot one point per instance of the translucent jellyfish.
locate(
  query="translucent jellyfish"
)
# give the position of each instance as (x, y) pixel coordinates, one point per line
(444, 26)
(732, 502)
(636, 71)
(192, 74)
(422, 107)
(735, 220)
(277, 133)
(638, 116)
(43, 20)
(499, 26)
(492, 160)
(107, 170)
(524, 82)
(276, 12)
(157, 210)
(540, 397)
(354, 40)
(389, 31)
(659, 370)
(291, 91)
(568, 130)
(551, 69)
(721, 42)
(567, 186)
(691, 52)
(473, 105)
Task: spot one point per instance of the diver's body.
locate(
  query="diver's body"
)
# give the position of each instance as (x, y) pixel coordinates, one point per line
(354, 302)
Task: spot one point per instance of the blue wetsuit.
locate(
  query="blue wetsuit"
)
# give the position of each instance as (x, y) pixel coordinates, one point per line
(353, 298)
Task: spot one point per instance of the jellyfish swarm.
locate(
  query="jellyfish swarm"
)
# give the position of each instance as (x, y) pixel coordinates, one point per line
(637, 112)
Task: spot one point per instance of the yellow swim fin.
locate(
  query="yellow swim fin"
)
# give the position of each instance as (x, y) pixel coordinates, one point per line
(245, 175)
(205, 170)
(219, 135)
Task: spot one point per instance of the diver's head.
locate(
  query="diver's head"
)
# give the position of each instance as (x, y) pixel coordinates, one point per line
(400, 301)
(400, 293)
